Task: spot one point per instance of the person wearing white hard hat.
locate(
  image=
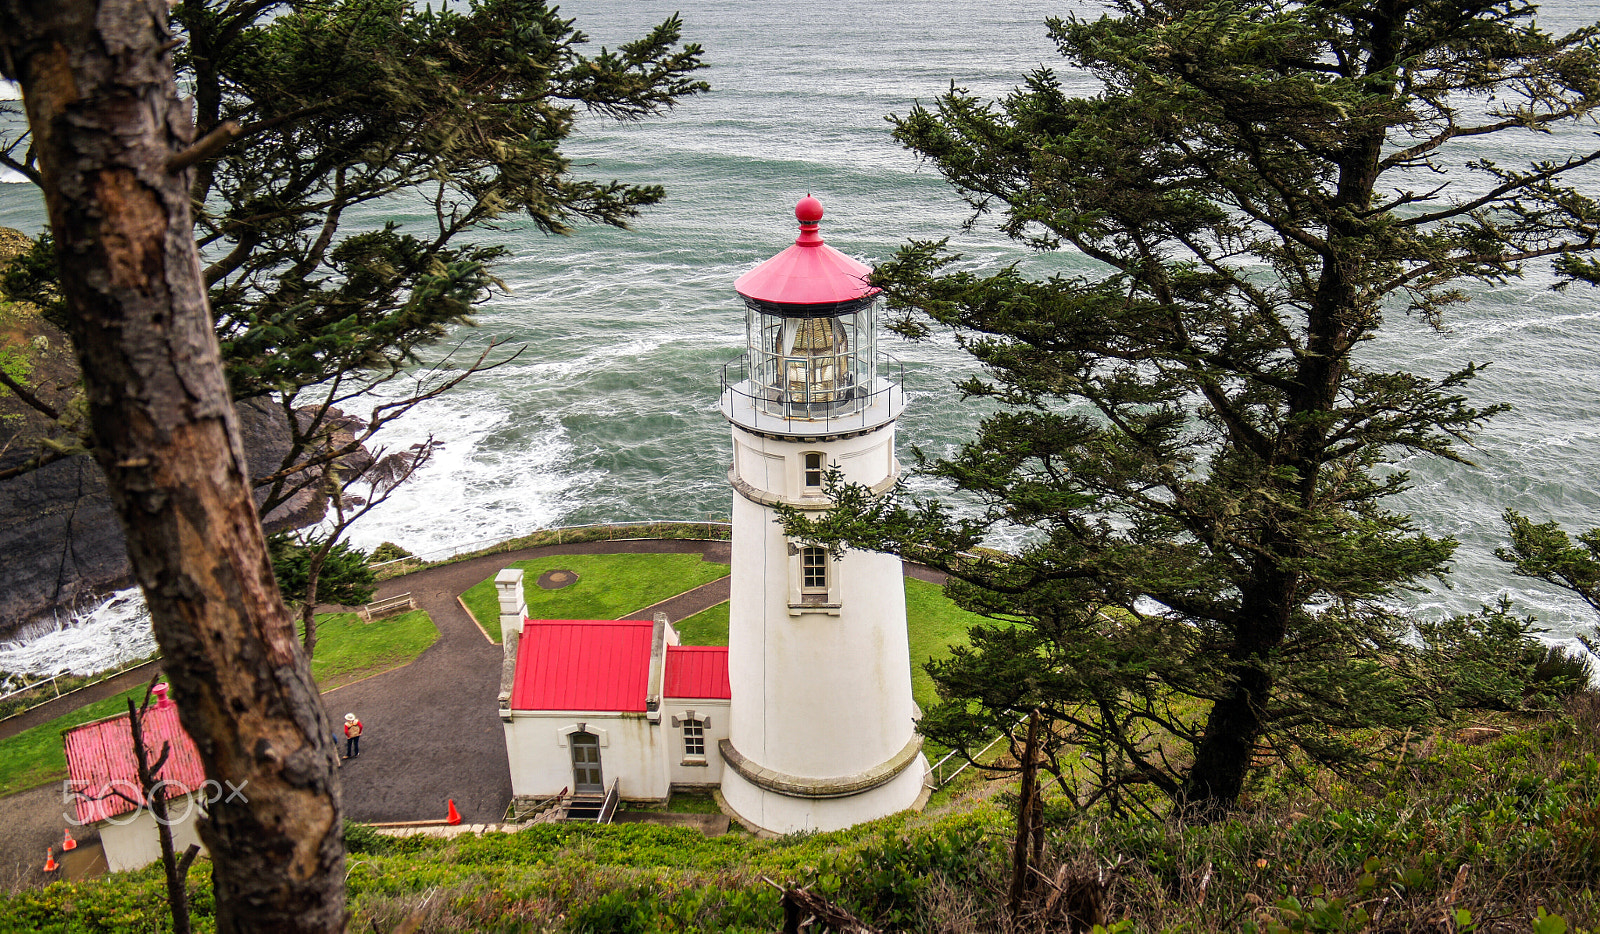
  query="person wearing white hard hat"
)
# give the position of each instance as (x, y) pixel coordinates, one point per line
(352, 736)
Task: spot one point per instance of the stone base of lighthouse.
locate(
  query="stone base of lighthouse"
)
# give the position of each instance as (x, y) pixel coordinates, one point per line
(778, 810)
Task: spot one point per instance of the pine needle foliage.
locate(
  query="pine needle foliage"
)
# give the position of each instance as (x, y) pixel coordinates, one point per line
(1189, 438)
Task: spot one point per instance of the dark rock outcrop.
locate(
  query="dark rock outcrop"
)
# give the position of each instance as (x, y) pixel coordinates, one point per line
(60, 544)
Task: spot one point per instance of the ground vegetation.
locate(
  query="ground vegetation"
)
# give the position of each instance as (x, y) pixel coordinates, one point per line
(1491, 828)
(606, 586)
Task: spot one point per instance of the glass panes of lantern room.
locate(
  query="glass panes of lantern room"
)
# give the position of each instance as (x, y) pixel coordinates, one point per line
(812, 366)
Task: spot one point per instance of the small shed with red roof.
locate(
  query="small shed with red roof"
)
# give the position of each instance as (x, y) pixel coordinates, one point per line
(589, 703)
(104, 790)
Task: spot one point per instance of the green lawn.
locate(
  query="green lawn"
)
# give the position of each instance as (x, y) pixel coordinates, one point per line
(934, 624)
(708, 627)
(608, 587)
(347, 650)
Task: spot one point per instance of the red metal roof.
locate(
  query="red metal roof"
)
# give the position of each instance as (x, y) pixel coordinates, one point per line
(582, 665)
(100, 761)
(697, 671)
(808, 273)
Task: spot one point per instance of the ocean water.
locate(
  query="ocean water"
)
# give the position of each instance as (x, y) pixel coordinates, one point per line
(610, 412)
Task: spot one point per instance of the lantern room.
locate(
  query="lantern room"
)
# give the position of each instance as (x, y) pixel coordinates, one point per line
(811, 340)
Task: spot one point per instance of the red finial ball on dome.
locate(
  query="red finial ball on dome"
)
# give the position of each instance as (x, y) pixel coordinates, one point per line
(808, 211)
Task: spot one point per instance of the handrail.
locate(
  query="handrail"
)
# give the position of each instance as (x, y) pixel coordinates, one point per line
(839, 409)
(28, 687)
(930, 781)
(608, 810)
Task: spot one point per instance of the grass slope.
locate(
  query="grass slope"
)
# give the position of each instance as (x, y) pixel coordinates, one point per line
(934, 624)
(707, 627)
(1486, 836)
(608, 586)
(349, 650)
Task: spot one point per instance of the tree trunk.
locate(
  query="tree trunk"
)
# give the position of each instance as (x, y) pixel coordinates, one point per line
(308, 610)
(98, 88)
(1027, 801)
(1236, 720)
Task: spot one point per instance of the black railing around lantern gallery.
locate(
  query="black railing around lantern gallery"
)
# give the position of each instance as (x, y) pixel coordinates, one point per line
(769, 399)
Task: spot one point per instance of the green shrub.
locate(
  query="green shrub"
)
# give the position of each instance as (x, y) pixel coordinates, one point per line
(619, 912)
(1560, 673)
(362, 839)
(388, 551)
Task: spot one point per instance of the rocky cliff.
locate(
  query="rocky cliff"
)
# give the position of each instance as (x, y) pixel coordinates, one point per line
(60, 544)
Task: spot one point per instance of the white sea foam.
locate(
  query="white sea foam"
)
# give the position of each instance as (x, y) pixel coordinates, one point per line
(111, 632)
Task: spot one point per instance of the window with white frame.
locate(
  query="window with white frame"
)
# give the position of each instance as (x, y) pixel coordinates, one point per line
(813, 569)
(694, 738)
(813, 472)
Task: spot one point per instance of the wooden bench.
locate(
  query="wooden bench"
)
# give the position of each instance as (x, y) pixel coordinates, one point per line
(387, 607)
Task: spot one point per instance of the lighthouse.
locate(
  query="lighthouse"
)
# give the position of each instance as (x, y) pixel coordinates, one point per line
(821, 728)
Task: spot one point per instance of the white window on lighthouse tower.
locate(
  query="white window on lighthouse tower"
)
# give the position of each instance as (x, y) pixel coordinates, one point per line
(813, 581)
(814, 570)
(813, 473)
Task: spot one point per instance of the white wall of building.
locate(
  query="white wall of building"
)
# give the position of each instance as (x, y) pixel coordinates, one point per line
(133, 842)
(687, 771)
(647, 758)
(780, 814)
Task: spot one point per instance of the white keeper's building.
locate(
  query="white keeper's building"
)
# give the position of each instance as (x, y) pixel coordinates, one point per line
(805, 721)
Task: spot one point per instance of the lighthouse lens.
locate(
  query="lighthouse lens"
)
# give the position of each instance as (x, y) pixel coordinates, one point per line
(810, 365)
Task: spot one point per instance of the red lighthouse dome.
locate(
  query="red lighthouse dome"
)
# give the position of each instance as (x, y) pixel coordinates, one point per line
(809, 278)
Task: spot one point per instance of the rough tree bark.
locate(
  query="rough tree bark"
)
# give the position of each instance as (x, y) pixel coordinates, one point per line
(1027, 806)
(111, 135)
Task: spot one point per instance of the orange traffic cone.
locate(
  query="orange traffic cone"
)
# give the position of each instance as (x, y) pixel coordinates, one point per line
(454, 817)
(50, 861)
(67, 843)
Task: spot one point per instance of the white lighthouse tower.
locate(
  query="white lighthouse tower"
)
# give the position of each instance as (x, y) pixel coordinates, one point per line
(821, 718)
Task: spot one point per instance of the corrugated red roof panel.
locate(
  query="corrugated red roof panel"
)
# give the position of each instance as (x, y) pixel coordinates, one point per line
(697, 671)
(100, 762)
(598, 665)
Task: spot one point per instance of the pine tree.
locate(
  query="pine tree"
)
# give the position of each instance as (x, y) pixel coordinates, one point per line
(1196, 451)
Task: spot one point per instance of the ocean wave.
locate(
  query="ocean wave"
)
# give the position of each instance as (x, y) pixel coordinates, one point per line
(107, 634)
